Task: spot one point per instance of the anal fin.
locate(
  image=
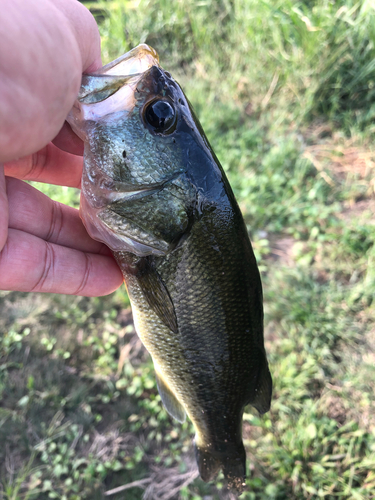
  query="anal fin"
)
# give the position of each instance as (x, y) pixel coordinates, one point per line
(263, 390)
(172, 405)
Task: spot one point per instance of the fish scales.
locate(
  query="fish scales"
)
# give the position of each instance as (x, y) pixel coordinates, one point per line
(154, 191)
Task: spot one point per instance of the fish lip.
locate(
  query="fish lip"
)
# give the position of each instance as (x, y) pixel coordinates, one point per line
(142, 51)
(105, 191)
(115, 197)
(130, 195)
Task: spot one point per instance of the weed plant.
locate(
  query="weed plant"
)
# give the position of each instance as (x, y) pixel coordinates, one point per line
(285, 93)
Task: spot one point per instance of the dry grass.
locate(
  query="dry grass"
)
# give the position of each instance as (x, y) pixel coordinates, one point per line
(342, 159)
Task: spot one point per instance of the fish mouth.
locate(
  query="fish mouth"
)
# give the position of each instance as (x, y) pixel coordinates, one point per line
(136, 61)
(111, 89)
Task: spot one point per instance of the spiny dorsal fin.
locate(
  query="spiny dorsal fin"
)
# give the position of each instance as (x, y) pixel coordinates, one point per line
(173, 407)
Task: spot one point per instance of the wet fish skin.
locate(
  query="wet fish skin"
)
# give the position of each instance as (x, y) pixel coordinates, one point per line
(189, 268)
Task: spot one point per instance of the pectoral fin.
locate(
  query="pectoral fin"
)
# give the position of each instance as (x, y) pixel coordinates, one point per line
(156, 294)
(173, 407)
(151, 285)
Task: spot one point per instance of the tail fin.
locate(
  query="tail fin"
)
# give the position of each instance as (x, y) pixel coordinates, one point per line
(233, 464)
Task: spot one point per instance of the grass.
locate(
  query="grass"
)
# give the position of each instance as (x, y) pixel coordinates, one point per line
(285, 93)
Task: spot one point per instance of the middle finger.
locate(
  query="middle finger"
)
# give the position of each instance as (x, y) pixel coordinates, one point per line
(50, 165)
(33, 212)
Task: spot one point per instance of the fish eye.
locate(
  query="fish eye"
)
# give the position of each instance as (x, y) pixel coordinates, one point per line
(160, 116)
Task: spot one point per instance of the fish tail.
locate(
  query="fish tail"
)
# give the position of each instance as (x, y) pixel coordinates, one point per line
(233, 465)
(234, 468)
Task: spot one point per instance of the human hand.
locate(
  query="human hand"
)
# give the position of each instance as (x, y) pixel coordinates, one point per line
(45, 46)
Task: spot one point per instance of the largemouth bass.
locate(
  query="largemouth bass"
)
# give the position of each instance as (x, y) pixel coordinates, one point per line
(155, 193)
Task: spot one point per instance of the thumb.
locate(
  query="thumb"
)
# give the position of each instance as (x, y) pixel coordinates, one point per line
(4, 214)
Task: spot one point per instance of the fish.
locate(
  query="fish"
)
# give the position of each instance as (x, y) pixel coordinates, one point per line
(154, 192)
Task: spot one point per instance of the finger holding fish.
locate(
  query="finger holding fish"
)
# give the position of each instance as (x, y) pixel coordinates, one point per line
(46, 247)
(35, 213)
(50, 165)
(31, 264)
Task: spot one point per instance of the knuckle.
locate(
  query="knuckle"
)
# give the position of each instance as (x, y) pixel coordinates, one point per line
(48, 270)
(86, 274)
(56, 223)
(4, 257)
(38, 163)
